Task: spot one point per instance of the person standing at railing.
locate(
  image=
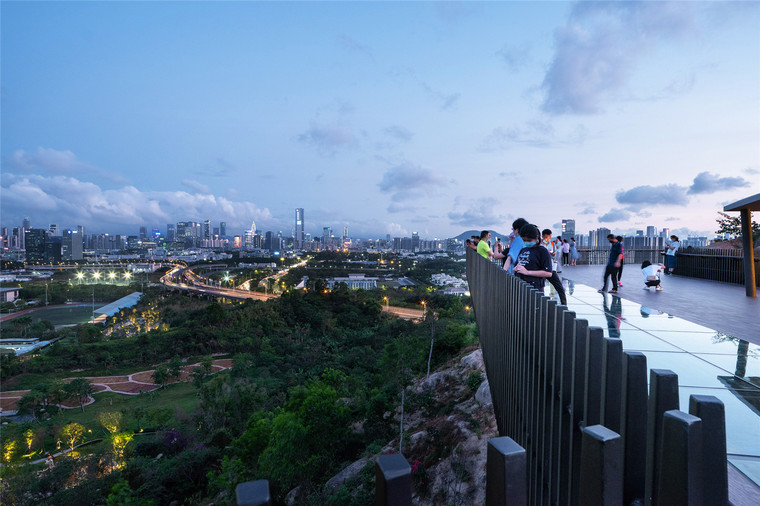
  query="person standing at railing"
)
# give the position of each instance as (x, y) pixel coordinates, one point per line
(534, 263)
(551, 246)
(574, 255)
(516, 246)
(670, 254)
(565, 252)
(484, 249)
(613, 263)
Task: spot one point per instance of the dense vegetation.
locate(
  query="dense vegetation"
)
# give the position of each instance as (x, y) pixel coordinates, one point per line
(315, 383)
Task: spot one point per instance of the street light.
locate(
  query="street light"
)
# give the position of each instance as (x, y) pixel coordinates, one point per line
(387, 303)
(112, 276)
(79, 276)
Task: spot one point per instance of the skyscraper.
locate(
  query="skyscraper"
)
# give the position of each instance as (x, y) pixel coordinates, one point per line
(207, 230)
(298, 235)
(568, 229)
(651, 231)
(71, 246)
(53, 229)
(223, 229)
(171, 232)
(35, 239)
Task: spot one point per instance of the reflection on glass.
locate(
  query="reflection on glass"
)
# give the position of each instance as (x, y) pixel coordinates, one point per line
(613, 313)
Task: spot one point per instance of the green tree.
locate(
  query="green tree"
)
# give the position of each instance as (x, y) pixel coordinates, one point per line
(72, 433)
(160, 375)
(31, 403)
(110, 420)
(732, 225)
(81, 389)
(175, 367)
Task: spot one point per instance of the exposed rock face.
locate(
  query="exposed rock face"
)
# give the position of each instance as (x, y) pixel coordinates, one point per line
(350, 472)
(447, 427)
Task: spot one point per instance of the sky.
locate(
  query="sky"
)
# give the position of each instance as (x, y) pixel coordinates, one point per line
(383, 117)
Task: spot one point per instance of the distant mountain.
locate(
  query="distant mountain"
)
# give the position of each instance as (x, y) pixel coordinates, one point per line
(469, 233)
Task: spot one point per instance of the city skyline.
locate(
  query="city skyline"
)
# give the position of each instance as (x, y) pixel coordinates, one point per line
(387, 118)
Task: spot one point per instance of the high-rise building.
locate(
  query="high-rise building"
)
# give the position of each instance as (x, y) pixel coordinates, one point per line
(298, 235)
(207, 230)
(53, 229)
(53, 246)
(27, 224)
(651, 231)
(171, 232)
(35, 239)
(665, 233)
(326, 235)
(188, 232)
(71, 246)
(415, 242)
(223, 229)
(568, 229)
(143, 233)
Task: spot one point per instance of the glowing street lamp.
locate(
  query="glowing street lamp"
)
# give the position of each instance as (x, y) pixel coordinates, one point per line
(111, 276)
(96, 275)
(387, 303)
(127, 276)
(80, 276)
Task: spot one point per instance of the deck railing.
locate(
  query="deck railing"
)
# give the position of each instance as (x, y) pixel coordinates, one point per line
(556, 383)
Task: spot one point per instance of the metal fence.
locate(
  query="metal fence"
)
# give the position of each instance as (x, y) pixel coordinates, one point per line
(724, 265)
(553, 379)
(715, 264)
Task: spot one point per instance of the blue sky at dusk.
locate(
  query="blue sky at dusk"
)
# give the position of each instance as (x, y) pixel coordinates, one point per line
(386, 117)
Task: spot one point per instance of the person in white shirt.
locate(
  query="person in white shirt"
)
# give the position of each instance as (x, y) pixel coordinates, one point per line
(651, 273)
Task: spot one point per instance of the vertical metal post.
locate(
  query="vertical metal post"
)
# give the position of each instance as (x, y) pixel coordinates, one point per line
(579, 363)
(506, 473)
(663, 396)
(592, 414)
(601, 481)
(566, 407)
(253, 493)
(634, 422)
(612, 384)
(680, 456)
(714, 465)
(393, 481)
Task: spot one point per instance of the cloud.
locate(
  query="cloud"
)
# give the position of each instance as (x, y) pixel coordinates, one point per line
(119, 210)
(536, 134)
(515, 57)
(711, 183)
(407, 182)
(663, 195)
(399, 133)
(481, 214)
(614, 215)
(328, 139)
(53, 161)
(588, 210)
(752, 171)
(195, 185)
(354, 46)
(598, 49)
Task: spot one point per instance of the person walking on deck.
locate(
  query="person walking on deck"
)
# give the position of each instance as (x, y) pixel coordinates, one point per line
(613, 264)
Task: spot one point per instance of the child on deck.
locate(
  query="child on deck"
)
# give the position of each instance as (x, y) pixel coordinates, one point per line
(651, 273)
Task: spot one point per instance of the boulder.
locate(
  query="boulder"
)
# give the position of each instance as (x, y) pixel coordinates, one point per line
(474, 360)
(483, 395)
(350, 472)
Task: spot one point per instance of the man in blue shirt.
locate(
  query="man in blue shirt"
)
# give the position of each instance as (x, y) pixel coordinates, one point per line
(516, 246)
(613, 263)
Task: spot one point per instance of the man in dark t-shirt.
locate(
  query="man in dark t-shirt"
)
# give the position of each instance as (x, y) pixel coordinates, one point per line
(534, 263)
(613, 263)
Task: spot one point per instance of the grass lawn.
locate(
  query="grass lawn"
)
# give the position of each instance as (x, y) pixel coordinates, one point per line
(164, 404)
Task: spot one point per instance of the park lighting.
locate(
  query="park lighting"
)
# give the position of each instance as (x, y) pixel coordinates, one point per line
(79, 276)
(95, 275)
(111, 275)
(127, 275)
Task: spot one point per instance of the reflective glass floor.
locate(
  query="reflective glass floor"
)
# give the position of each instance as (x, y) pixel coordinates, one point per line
(707, 362)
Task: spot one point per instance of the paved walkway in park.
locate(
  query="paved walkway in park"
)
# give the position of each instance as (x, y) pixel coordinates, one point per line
(724, 307)
(132, 384)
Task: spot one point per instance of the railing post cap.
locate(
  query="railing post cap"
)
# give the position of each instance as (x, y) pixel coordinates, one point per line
(600, 433)
(677, 414)
(253, 493)
(505, 445)
(393, 465)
